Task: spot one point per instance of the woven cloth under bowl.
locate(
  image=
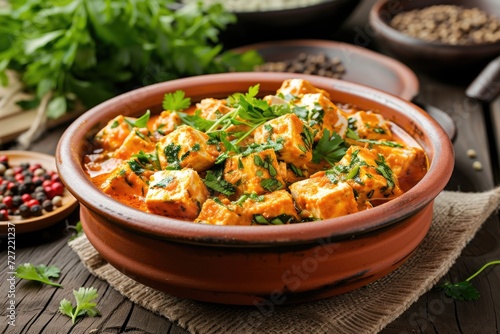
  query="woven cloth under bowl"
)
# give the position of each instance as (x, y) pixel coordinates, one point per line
(457, 218)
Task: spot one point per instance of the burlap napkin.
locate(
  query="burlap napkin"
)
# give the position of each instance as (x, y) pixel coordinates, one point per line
(457, 217)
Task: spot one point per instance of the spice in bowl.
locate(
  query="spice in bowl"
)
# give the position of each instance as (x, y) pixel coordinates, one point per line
(28, 190)
(449, 24)
(316, 64)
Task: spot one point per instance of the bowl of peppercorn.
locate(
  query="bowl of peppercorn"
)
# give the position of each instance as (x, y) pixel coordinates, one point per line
(451, 39)
(32, 196)
(338, 60)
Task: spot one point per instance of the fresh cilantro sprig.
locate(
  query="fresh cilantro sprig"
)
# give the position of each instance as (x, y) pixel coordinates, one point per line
(465, 290)
(85, 304)
(247, 110)
(196, 121)
(176, 101)
(141, 122)
(329, 148)
(40, 273)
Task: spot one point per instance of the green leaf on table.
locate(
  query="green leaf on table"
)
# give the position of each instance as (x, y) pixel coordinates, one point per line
(40, 273)
(85, 305)
(461, 291)
(464, 290)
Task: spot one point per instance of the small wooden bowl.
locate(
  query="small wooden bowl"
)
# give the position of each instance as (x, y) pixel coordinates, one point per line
(255, 264)
(439, 59)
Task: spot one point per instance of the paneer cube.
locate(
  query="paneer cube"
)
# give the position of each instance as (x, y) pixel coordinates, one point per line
(256, 173)
(321, 114)
(367, 173)
(218, 212)
(298, 88)
(370, 125)
(409, 164)
(124, 184)
(113, 134)
(319, 198)
(176, 193)
(166, 122)
(186, 147)
(275, 208)
(136, 141)
(212, 109)
(289, 131)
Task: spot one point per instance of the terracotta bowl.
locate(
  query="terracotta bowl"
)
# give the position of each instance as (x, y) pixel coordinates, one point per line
(256, 264)
(438, 59)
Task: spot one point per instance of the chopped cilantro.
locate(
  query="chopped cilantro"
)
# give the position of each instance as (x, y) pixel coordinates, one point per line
(329, 148)
(214, 181)
(163, 182)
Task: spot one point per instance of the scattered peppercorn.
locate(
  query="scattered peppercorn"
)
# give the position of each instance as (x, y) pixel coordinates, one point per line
(471, 153)
(28, 190)
(47, 205)
(319, 64)
(449, 24)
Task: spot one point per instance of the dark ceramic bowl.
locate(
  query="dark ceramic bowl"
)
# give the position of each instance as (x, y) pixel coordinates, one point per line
(440, 59)
(252, 264)
(385, 73)
(314, 21)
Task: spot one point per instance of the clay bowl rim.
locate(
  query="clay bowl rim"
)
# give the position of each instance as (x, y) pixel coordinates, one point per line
(72, 144)
(381, 24)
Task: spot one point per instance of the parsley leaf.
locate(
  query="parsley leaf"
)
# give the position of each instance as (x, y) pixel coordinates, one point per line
(84, 304)
(464, 290)
(93, 50)
(196, 121)
(141, 122)
(461, 291)
(40, 273)
(247, 110)
(176, 101)
(329, 148)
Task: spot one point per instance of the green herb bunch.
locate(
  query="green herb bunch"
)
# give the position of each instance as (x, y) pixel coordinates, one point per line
(91, 50)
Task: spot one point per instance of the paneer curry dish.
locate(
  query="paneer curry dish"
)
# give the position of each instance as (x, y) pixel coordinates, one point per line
(291, 157)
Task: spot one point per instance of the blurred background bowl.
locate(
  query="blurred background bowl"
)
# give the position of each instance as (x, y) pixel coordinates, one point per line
(252, 264)
(360, 65)
(313, 21)
(438, 59)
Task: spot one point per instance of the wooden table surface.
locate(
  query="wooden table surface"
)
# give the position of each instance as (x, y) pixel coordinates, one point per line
(37, 306)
